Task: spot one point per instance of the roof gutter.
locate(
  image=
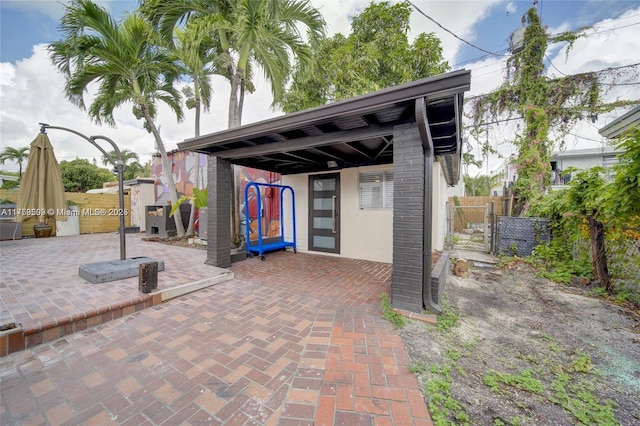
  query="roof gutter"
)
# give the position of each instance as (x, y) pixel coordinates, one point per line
(427, 227)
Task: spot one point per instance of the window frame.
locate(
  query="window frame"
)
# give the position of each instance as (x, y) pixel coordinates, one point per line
(385, 197)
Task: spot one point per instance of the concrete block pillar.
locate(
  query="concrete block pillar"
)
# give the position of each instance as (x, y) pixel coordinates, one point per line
(408, 218)
(219, 212)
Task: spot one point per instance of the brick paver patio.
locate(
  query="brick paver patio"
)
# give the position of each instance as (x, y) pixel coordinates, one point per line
(297, 339)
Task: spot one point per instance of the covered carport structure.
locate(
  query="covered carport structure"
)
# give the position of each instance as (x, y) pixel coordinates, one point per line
(409, 125)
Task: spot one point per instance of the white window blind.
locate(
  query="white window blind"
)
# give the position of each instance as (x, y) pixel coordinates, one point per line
(376, 190)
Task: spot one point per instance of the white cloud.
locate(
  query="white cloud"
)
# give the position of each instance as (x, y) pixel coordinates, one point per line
(458, 17)
(33, 91)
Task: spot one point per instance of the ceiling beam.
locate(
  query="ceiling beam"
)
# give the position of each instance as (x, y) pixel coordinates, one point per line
(327, 154)
(388, 141)
(301, 157)
(307, 142)
(359, 151)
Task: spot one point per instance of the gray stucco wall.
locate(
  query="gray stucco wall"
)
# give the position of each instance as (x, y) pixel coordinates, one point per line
(219, 212)
(408, 218)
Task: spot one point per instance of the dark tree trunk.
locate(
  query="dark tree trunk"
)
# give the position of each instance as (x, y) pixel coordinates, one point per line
(598, 255)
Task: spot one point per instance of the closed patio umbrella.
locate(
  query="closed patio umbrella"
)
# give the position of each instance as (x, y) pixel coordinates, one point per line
(41, 189)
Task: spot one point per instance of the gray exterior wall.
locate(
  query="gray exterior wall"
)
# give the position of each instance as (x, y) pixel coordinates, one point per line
(219, 212)
(408, 218)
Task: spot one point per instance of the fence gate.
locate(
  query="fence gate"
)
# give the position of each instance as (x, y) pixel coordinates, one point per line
(468, 227)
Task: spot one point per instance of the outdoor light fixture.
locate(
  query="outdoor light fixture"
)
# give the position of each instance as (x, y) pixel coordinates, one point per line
(140, 266)
(332, 164)
(118, 165)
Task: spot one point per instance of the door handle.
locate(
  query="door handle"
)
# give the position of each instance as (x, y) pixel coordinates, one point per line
(333, 214)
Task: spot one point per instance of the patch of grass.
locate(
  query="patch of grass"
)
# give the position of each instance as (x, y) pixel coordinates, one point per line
(470, 345)
(442, 406)
(598, 291)
(454, 354)
(394, 318)
(577, 399)
(448, 319)
(581, 364)
(523, 381)
(418, 367)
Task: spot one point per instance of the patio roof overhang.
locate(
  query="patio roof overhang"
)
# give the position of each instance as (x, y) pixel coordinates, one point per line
(350, 133)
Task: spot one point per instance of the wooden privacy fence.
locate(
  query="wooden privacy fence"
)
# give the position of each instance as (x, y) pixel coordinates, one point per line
(97, 212)
(466, 210)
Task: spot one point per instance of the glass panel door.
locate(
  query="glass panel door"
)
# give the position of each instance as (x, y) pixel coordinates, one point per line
(324, 213)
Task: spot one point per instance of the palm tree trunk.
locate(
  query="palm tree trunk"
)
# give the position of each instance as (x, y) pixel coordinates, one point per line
(192, 214)
(234, 121)
(241, 101)
(166, 169)
(233, 102)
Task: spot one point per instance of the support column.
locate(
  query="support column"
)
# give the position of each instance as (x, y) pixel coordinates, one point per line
(219, 212)
(408, 218)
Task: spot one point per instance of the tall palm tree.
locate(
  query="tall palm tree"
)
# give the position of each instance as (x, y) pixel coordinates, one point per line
(195, 52)
(127, 157)
(130, 65)
(131, 160)
(249, 33)
(18, 155)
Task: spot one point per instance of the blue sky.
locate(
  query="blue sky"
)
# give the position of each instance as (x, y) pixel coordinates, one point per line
(31, 90)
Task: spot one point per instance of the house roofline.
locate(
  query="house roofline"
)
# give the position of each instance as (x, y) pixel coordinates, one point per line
(435, 87)
(621, 124)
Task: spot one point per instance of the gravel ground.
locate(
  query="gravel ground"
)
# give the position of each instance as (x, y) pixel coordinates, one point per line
(513, 348)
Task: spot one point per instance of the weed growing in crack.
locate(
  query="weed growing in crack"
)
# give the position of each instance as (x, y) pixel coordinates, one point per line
(448, 319)
(394, 318)
(418, 367)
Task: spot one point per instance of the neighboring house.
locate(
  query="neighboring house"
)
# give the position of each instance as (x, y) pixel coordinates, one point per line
(503, 175)
(561, 161)
(364, 171)
(581, 159)
(621, 124)
(5, 178)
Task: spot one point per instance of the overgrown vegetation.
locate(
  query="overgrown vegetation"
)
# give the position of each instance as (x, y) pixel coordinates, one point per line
(596, 226)
(542, 103)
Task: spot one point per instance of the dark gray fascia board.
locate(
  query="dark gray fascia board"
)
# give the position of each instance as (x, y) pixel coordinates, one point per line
(436, 87)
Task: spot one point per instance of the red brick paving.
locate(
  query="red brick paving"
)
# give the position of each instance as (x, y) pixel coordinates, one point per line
(297, 339)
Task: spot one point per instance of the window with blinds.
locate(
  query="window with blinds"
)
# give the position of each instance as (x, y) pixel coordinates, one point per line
(376, 190)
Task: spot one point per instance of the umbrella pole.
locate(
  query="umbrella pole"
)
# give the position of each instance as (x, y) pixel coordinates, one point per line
(119, 169)
(118, 165)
